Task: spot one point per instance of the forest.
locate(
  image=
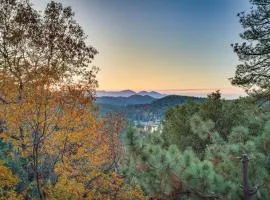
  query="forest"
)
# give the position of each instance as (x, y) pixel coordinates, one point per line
(155, 109)
(55, 145)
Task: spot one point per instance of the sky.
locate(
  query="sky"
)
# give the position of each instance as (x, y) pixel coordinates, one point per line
(171, 46)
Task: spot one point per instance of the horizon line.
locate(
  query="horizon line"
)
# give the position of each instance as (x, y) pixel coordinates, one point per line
(188, 89)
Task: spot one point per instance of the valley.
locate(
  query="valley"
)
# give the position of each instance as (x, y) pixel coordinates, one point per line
(145, 111)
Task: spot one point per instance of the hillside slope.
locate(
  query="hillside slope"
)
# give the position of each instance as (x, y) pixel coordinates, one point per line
(149, 111)
(124, 101)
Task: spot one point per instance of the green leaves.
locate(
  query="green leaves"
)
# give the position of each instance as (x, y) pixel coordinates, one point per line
(198, 151)
(254, 53)
(239, 134)
(200, 127)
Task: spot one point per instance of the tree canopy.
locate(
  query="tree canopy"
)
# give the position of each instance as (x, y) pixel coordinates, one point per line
(253, 73)
(53, 143)
(197, 156)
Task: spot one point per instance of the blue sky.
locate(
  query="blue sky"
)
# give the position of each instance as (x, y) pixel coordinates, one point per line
(161, 44)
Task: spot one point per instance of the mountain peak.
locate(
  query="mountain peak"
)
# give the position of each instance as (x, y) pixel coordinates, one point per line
(130, 91)
(127, 93)
(153, 94)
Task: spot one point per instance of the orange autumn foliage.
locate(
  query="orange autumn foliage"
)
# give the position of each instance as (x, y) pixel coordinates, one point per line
(57, 129)
(47, 116)
(8, 184)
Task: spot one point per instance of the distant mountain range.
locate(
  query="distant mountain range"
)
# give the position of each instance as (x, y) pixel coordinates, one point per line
(128, 93)
(143, 108)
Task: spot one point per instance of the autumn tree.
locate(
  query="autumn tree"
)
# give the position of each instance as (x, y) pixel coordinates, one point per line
(39, 56)
(254, 53)
(111, 184)
(44, 108)
(51, 135)
(113, 126)
(8, 183)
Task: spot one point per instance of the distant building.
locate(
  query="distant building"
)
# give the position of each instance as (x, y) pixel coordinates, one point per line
(149, 126)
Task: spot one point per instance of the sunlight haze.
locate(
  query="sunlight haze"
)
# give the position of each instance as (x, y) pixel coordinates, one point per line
(162, 45)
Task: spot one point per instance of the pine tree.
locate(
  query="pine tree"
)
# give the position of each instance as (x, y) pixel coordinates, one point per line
(165, 171)
(254, 54)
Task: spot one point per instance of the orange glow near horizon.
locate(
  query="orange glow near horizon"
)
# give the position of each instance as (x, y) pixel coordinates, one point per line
(161, 45)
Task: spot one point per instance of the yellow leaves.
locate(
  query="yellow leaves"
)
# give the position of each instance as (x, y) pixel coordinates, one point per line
(7, 179)
(8, 183)
(66, 189)
(132, 193)
(54, 129)
(112, 186)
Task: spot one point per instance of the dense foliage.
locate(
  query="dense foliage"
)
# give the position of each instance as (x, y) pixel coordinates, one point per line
(150, 111)
(254, 53)
(124, 101)
(53, 144)
(198, 153)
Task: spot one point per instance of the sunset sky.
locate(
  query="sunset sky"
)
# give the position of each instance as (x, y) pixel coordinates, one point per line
(163, 45)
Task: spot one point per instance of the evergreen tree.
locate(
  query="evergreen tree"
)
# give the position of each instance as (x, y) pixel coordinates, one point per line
(253, 73)
(225, 115)
(168, 171)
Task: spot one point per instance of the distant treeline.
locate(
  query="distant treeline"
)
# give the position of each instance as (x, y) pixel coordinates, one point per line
(149, 111)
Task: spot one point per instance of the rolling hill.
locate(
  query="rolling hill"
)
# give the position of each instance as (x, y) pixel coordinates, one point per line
(128, 93)
(123, 93)
(149, 111)
(124, 101)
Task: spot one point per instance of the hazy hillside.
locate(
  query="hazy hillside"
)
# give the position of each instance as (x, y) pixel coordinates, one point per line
(153, 94)
(124, 101)
(128, 93)
(123, 93)
(149, 111)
